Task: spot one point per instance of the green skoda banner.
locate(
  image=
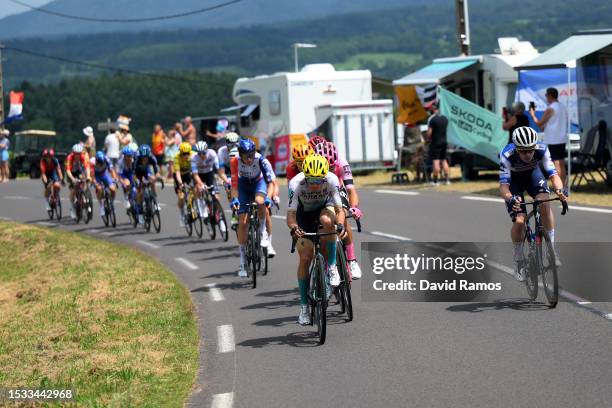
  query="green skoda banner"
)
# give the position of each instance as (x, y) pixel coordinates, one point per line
(472, 127)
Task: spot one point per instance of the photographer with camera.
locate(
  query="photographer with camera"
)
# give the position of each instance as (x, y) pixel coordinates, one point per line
(515, 118)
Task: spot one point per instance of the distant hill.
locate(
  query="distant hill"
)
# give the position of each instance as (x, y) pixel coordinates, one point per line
(244, 13)
(391, 43)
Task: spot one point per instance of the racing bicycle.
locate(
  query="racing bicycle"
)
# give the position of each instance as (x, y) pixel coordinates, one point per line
(109, 217)
(83, 206)
(539, 257)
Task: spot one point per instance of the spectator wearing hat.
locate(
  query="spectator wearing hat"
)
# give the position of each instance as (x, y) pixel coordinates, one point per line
(123, 134)
(4, 155)
(517, 120)
(90, 141)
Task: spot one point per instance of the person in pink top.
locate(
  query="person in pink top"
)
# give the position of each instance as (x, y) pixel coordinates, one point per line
(350, 198)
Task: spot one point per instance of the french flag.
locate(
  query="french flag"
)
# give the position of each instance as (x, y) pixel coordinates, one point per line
(16, 110)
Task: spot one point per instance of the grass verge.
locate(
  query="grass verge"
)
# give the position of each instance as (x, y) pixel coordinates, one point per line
(488, 184)
(104, 320)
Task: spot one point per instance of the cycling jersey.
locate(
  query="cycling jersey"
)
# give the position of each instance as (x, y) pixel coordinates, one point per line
(49, 169)
(292, 170)
(181, 164)
(101, 168)
(123, 169)
(142, 167)
(312, 197)
(225, 154)
(511, 163)
(206, 164)
(77, 163)
(243, 173)
(344, 173)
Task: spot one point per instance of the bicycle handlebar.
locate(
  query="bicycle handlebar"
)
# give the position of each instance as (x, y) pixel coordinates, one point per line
(535, 203)
(310, 234)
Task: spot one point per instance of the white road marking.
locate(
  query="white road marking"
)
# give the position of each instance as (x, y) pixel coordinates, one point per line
(385, 235)
(590, 209)
(223, 400)
(187, 264)
(5, 219)
(608, 316)
(149, 244)
(215, 293)
(47, 224)
(398, 192)
(584, 303)
(225, 339)
(93, 231)
(279, 217)
(10, 197)
(478, 198)
(108, 234)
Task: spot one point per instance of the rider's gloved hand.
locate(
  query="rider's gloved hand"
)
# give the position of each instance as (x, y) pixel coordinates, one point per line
(339, 228)
(235, 203)
(515, 202)
(356, 213)
(297, 232)
(268, 202)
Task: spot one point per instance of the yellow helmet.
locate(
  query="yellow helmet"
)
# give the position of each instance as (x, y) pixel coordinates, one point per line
(315, 166)
(301, 151)
(185, 147)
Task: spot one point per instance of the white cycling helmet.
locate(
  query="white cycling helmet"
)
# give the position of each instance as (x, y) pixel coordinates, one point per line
(201, 147)
(77, 148)
(232, 137)
(524, 137)
(133, 147)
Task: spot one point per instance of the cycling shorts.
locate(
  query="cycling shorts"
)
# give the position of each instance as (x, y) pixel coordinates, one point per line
(533, 182)
(248, 190)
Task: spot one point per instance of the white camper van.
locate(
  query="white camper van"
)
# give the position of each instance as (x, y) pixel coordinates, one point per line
(488, 80)
(280, 109)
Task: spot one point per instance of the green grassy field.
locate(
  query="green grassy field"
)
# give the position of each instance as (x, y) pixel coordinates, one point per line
(378, 59)
(104, 320)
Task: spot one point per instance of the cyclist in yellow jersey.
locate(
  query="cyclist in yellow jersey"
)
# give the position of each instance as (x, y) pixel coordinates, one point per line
(182, 175)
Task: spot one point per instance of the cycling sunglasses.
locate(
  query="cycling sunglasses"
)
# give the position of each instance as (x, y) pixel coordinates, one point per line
(313, 180)
(525, 151)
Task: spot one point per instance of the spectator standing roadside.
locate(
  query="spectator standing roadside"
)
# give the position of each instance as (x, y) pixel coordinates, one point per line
(111, 147)
(123, 134)
(554, 124)
(518, 119)
(436, 137)
(90, 141)
(171, 151)
(188, 131)
(158, 145)
(4, 155)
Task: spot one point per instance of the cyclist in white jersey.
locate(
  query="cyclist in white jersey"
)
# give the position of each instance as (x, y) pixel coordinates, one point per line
(225, 154)
(314, 199)
(204, 166)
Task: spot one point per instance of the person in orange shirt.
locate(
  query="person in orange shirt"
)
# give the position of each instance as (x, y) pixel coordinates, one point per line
(158, 145)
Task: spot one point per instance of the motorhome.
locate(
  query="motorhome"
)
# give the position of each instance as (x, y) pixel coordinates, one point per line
(280, 110)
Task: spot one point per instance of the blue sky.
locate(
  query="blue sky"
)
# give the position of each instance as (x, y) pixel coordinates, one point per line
(8, 8)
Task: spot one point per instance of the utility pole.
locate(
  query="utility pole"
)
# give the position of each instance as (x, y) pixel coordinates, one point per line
(1, 88)
(463, 26)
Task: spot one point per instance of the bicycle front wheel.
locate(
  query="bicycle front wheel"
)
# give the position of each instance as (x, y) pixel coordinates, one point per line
(220, 220)
(531, 267)
(548, 268)
(345, 284)
(58, 209)
(320, 298)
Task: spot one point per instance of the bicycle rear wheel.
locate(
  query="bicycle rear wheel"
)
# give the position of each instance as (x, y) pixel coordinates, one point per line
(548, 268)
(58, 208)
(156, 217)
(88, 208)
(188, 221)
(105, 217)
(51, 210)
(250, 255)
(346, 302)
(220, 220)
(111, 214)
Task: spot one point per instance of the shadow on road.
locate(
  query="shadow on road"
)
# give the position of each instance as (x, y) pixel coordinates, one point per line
(514, 304)
(222, 256)
(297, 339)
(273, 305)
(226, 248)
(278, 293)
(224, 286)
(169, 238)
(220, 275)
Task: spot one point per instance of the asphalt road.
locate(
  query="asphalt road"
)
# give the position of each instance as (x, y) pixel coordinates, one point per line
(394, 354)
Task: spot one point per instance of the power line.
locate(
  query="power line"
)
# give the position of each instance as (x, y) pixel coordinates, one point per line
(107, 67)
(125, 20)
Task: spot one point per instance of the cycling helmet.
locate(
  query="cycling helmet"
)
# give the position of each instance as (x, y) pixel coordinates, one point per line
(524, 137)
(246, 146)
(127, 151)
(77, 148)
(144, 150)
(329, 151)
(201, 147)
(315, 140)
(232, 137)
(300, 152)
(134, 146)
(100, 156)
(185, 148)
(315, 166)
